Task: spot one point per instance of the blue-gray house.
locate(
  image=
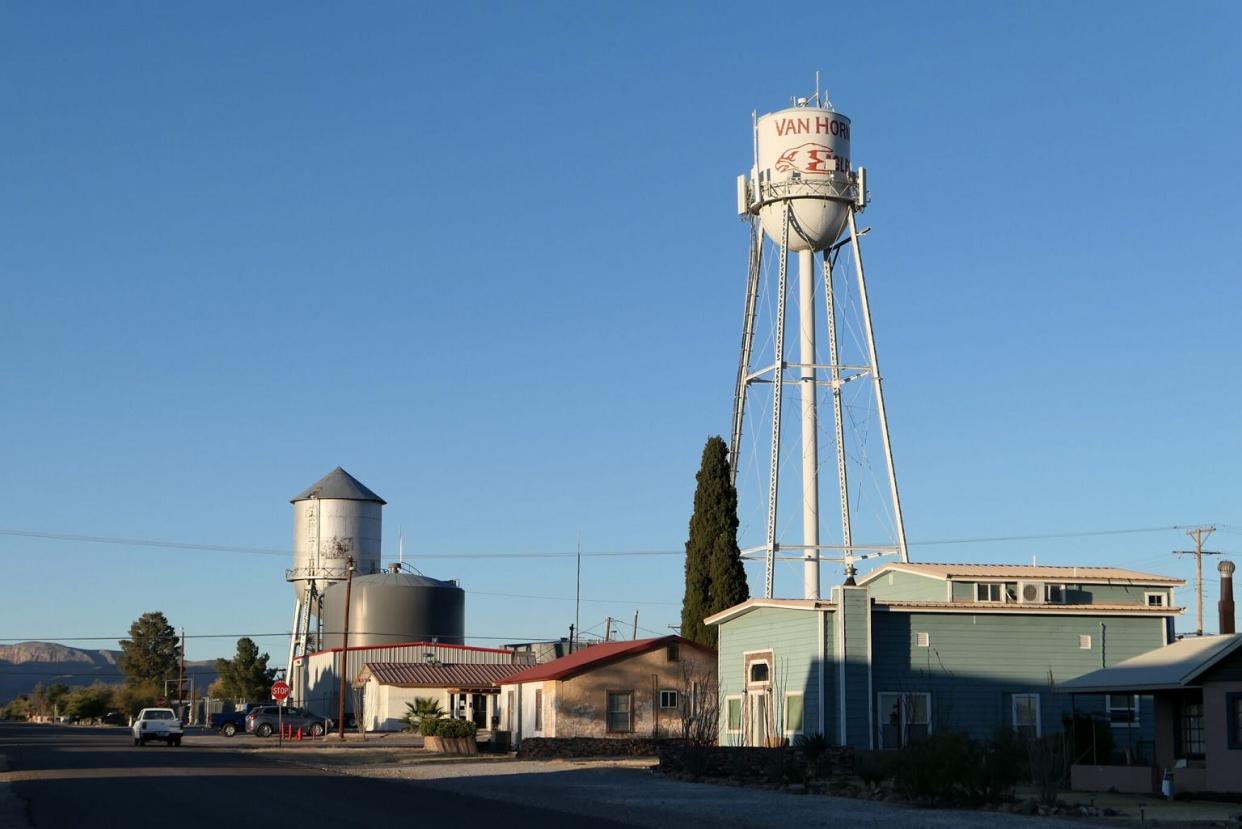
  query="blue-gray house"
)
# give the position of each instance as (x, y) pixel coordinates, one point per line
(913, 648)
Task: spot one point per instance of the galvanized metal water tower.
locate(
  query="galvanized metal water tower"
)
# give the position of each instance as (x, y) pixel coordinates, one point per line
(335, 518)
(803, 193)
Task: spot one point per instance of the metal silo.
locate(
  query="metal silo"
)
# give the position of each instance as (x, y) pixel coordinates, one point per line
(394, 607)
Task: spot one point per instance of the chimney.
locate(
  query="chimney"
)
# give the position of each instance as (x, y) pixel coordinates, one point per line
(1225, 605)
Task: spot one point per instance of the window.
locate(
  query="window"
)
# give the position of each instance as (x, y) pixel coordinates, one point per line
(509, 711)
(1192, 729)
(922, 639)
(903, 718)
(539, 709)
(668, 698)
(1084, 642)
(988, 592)
(1054, 593)
(1155, 599)
(1026, 715)
(793, 714)
(672, 653)
(1233, 717)
(733, 708)
(759, 672)
(620, 711)
(1123, 709)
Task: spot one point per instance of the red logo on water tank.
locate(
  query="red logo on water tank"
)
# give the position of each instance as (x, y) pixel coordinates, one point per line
(813, 159)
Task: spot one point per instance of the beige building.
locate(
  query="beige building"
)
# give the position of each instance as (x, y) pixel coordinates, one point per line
(637, 688)
(463, 691)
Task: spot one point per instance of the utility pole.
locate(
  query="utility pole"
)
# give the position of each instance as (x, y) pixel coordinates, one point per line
(181, 680)
(577, 597)
(340, 704)
(1199, 534)
(571, 639)
(635, 636)
(608, 630)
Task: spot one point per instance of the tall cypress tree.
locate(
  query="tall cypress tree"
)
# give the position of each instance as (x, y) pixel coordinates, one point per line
(715, 578)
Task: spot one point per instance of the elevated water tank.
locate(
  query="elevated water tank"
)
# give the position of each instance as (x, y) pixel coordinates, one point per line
(803, 158)
(334, 518)
(393, 607)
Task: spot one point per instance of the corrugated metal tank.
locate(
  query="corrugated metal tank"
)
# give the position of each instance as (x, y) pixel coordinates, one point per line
(389, 608)
(333, 519)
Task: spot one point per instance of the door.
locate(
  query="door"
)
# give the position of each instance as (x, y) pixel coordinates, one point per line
(757, 726)
(478, 708)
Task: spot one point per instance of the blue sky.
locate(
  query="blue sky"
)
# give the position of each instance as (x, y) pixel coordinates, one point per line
(486, 258)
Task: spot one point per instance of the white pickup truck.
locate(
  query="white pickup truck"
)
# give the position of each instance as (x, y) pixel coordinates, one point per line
(157, 724)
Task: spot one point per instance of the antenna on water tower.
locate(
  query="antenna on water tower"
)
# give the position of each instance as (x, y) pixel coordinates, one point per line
(802, 194)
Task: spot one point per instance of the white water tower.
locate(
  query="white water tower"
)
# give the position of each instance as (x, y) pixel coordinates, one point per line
(335, 518)
(803, 194)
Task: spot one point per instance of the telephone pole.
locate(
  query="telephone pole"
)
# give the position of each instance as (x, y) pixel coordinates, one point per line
(181, 679)
(1199, 534)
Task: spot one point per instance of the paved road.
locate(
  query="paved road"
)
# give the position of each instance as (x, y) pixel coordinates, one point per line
(95, 777)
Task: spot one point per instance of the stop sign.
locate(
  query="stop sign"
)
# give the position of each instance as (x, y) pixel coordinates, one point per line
(280, 690)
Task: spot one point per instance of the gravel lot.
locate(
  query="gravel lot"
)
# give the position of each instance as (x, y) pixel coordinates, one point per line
(626, 791)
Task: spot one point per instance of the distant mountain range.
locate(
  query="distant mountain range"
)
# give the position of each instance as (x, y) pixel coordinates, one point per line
(24, 665)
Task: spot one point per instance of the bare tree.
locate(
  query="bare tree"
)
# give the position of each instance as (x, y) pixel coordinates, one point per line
(698, 704)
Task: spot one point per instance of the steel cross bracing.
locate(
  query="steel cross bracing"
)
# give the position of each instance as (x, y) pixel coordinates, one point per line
(837, 376)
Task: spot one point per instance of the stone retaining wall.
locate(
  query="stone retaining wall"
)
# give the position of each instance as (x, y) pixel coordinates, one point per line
(553, 747)
(768, 765)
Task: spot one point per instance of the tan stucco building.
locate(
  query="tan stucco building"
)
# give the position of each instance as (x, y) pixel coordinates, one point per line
(637, 688)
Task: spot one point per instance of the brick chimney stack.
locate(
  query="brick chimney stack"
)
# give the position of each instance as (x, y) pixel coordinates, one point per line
(1225, 605)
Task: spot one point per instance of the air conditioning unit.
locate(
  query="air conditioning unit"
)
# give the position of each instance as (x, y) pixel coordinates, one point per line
(1031, 592)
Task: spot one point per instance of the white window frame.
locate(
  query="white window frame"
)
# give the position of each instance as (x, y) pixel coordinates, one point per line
(676, 699)
(999, 590)
(1013, 707)
(1110, 708)
(741, 714)
(922, 639)
(1084, 641)
(539, 710)
(788, 731)
(1156, 594)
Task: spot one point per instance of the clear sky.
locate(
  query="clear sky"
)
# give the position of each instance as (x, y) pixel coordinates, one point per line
(485, 256)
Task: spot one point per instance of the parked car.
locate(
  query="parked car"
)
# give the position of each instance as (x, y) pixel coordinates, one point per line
(114, 718)
(157, 724)
(230, 722)
(265, 719)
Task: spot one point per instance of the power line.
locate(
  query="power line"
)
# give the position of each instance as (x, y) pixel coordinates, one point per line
(273, 551)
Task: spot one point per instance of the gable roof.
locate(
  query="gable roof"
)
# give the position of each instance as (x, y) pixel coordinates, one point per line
(1083, 575)
(1174, 666)
(339, 485)
(754, 604)
(596, 655)
(431, 675)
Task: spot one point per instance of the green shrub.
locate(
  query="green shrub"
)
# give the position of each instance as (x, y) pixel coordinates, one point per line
(813, 746)
(447, 728)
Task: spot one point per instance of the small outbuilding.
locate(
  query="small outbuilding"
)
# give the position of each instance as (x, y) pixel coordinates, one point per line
(1197, 687)
(463, 691)
(636, 688)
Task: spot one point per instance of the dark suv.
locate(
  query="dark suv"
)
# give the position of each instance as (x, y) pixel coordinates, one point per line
(265, 719)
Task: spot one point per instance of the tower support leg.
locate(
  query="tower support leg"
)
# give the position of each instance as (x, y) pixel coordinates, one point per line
(878, 385)
(778, 383)
(810, 440)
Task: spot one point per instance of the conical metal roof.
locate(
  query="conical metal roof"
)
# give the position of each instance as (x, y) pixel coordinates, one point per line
(340, 485)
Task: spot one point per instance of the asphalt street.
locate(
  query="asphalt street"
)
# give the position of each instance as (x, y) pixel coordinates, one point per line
(70, 777)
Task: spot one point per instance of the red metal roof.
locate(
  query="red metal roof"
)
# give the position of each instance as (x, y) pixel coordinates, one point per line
(430, 675)
(595, 655)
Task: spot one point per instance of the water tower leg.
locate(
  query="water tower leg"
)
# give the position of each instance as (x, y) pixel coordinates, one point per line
(748, 340)
(778, 384)
(879, 389)
(838, 421)
(294, 629)
(810, 442)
